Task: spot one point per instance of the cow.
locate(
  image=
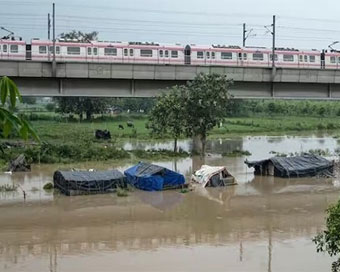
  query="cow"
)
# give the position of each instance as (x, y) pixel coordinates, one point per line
(130, 124)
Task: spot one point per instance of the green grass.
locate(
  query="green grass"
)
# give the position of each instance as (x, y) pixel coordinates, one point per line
(72, 142)
(254, 125)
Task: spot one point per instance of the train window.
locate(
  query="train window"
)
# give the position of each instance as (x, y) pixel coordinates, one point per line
(288, 58)
(245, 56)
(240, 56)
(213, 55)
(306, 59)
(14, 48)
(0, 47)
(125, 52)
(4, 48)
(200, 55)
(73, 50)
(42, 49)
(95, 51)
(89, 51)
(257, 56)
(301, 58)
(208, 55)
(166, 53)
(338, 59)
(271, 57)
(110, 51)
(225, 55)
(131, 52)
(312, 58)
(332, 59)
(174, 54)
(161, 53)
(146, 53)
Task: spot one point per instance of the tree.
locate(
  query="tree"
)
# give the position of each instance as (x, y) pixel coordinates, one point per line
(9, 121)
(167, 115)
(81, 105)
(329, 240)
(30, 100)
(80, 36)
(205, 102)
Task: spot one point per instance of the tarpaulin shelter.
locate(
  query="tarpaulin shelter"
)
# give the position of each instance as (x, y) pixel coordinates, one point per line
(150, 177)
(87, 182)
(298, 166)
(213, 176)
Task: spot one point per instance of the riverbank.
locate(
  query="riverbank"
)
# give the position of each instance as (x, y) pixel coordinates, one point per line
(69, 142)
(69, 131)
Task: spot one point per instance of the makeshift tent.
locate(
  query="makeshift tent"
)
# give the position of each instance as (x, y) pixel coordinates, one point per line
(298, 166)
(87, 182)
(150, 177)
(213, 176)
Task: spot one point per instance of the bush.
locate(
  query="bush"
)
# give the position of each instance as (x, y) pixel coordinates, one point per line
(50, 107)
(329, 240)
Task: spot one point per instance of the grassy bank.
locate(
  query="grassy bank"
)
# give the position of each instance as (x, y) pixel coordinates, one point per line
(67, 142)
(75, 131)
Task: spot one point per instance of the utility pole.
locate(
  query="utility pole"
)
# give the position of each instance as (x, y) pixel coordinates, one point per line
(273, 33)
(49, 34)
(244, 35)
(48, 26)
(273, 56)
(54, 65)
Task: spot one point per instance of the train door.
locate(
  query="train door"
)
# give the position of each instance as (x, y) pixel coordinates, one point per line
(5, 50)
(89, 54)
(160, 56)
(166, 56)
(187, 55)
(28, 52)
(125, 55)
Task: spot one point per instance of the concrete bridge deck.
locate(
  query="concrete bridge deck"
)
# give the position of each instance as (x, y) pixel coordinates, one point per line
(145, 80)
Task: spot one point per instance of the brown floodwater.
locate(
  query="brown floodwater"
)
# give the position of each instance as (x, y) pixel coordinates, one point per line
(261, 224)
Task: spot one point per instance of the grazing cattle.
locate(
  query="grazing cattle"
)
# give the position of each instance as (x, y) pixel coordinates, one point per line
(120, 126)
(130, 124)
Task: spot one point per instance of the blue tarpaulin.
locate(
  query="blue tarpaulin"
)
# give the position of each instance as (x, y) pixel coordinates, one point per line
(150, 177)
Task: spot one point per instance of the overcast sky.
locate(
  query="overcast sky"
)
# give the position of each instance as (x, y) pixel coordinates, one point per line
(300, 23)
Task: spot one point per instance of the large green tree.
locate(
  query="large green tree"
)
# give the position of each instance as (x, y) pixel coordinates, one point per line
(167, 115)
(329, 240)
(10, 121)
(82, 105)
(205, 102)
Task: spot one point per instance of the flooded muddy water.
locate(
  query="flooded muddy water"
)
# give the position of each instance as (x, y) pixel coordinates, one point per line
(261, 224)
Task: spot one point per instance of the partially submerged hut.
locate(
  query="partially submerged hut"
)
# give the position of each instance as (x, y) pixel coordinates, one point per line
(297, 166)
(213, 176)
(86, 182)
(150, 177)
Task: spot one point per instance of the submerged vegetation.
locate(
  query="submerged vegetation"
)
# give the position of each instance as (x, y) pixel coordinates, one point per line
(236, 153)
(8, 188)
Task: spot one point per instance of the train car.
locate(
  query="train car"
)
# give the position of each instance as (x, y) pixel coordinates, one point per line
(112, 52)
(293, 58)
(11, 49)
(332, 60)
(214, 55)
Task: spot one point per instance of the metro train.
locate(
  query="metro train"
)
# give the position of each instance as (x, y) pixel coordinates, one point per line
(154, 53)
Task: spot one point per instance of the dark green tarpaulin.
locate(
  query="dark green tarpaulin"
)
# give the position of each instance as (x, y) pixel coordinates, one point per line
(298, 166)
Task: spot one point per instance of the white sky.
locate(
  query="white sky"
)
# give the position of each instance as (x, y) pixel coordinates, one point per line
(301, 23)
